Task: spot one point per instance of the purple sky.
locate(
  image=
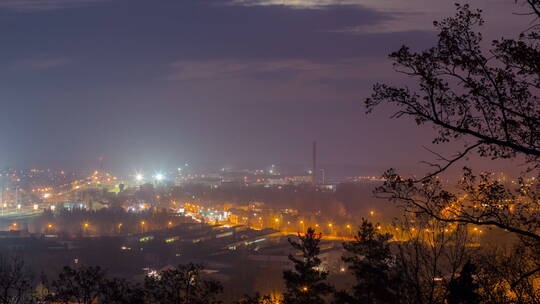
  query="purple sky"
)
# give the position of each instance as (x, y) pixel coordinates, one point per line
(150, 84)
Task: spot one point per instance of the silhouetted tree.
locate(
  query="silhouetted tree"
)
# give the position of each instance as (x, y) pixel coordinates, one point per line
(463, 289)
(428, 256)
(182, 285)
(16, 283)
(119, 291)
(307, 283)
(504, 276)
(370, 261)
(486, 99)
(77, 285)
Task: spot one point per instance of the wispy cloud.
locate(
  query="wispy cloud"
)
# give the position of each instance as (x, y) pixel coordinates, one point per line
(41, 5)
(410, 15)
(313, 4)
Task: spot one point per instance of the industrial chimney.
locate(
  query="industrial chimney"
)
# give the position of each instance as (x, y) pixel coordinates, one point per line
(314, 169)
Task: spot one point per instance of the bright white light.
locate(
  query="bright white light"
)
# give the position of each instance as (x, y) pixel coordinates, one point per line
(36, 206)
(139, 177)
(159, 177)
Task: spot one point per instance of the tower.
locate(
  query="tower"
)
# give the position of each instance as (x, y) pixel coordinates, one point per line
(314, 169)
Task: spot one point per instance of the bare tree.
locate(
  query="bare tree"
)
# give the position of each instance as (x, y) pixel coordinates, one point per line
(429, 257)
(16, 282)
(487, 99)
(503, 276)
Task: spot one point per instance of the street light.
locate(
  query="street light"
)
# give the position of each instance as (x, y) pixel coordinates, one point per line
(139, 177)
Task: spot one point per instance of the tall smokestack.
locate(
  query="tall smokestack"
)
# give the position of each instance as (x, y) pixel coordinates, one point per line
(314, 170)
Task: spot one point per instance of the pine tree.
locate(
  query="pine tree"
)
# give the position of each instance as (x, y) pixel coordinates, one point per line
(369, 260)
(463, 289)
(306, 284)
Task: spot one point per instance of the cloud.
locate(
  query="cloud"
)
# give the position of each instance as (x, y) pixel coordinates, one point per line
(42, 5)
(43, 64)
(311, 4)
(414, 15)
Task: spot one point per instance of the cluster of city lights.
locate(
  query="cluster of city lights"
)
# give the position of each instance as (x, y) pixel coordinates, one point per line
(139, 177)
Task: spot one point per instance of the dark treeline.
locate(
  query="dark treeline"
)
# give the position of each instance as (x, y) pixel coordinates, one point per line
(434, 266)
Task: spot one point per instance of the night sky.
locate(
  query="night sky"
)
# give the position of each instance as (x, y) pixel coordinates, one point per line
(232, 83)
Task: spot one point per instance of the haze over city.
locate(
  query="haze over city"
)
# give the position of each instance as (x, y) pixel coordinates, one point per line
(216, 83)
